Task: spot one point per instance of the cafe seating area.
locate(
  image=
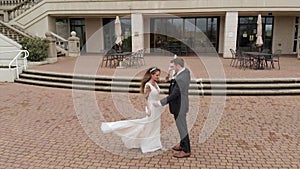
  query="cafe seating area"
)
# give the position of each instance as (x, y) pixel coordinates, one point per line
(255, 60)
(113, 59)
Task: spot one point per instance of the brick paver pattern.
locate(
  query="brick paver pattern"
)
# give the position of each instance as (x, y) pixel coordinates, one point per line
(40, 128)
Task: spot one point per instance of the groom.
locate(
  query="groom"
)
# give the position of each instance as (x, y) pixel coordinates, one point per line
(179, 104)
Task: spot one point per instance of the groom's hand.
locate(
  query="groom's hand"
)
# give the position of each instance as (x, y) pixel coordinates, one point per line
(157, 104)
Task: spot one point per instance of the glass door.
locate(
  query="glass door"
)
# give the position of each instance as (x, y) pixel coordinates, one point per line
(78, 25)
(296, 34)
(109, 33)
(247, 37)
(247, 30)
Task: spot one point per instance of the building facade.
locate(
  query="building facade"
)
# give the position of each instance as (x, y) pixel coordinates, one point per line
(168, 25)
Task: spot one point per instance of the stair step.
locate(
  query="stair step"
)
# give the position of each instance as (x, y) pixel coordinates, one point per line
(136, 90)
(77, 86)
(93, 81)
(77, 80)
(204, 81)
(257, 86)
(80, 76)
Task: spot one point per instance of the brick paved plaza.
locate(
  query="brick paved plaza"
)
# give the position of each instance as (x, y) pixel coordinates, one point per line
(43, 127)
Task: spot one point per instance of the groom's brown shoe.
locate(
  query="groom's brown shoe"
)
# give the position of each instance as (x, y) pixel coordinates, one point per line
(182, 154)
(177, 148)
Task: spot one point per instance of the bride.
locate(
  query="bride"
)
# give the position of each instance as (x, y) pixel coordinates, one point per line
(142, 133)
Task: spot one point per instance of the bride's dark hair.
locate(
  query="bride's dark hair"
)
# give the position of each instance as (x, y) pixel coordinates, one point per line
(147, 77)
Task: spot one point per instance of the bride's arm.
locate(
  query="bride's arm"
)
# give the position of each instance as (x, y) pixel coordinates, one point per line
(147, 91)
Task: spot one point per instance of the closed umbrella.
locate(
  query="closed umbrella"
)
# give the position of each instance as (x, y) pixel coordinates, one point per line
(259, 40)
(118, 31)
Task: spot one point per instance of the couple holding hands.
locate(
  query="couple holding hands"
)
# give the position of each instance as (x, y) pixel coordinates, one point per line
(144, 133)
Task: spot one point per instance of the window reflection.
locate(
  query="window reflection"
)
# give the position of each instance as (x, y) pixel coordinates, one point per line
(247, 29)
(197, 33)
(109, 33)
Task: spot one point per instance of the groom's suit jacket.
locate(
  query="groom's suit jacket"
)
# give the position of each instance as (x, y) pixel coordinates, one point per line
(178, 93)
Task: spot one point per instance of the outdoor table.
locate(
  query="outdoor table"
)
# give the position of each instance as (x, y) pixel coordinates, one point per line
(258, 58)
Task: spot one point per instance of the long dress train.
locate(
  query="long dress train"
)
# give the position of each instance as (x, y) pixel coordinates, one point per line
(141, 133)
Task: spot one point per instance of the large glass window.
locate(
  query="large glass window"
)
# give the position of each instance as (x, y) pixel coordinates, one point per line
(181, 35)
(109, 33)
(296, 34)
(247, 30)
(62, 28)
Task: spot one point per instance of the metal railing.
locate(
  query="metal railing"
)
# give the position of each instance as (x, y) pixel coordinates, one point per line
(15, 60)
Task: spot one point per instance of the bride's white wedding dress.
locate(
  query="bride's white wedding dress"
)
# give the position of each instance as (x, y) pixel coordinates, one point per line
(141, 133)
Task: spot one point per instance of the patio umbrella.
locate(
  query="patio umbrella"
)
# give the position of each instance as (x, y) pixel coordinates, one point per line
(259, 40)
(118, 31)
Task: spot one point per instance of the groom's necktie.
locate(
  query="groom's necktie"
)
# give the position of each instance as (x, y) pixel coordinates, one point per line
(171, 84)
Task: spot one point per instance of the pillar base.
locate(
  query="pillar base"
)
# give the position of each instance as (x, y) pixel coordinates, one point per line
(74, 54)
(51, 60)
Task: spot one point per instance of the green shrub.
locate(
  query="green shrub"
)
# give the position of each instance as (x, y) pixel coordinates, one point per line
(37, 48)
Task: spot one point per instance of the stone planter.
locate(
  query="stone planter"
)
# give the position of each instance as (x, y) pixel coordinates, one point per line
(29, 63)
(8, 75)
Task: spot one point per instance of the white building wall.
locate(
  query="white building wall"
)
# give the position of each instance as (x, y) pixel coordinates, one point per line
(94, 35)
(7, 44)
(39, 28)
(36, 20)
(230, 33)
(283, 34)
(137, 31)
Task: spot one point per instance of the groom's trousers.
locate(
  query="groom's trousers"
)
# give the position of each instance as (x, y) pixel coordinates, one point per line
(181, 124)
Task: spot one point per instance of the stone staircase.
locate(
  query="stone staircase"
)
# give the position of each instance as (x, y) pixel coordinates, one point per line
(15, 8)
(17, 34)
(12, 32)
(259, 86)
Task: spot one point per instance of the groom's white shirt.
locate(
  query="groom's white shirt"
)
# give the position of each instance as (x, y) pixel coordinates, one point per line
(158, 102)
(179, 72)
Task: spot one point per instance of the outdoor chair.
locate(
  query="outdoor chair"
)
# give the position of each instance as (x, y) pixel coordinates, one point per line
(108, 59)
(246, 61)
(140, 57)
(240, 59)
(274, 58)
(136, 60)
(132, 60)
(233, 57)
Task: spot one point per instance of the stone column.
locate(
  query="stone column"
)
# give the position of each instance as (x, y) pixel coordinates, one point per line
(52, 53)
(6, 16)
(74, 45)
(230, 33)
(137, 25)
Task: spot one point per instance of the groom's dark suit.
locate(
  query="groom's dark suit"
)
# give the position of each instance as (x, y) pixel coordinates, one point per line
(179, 105)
